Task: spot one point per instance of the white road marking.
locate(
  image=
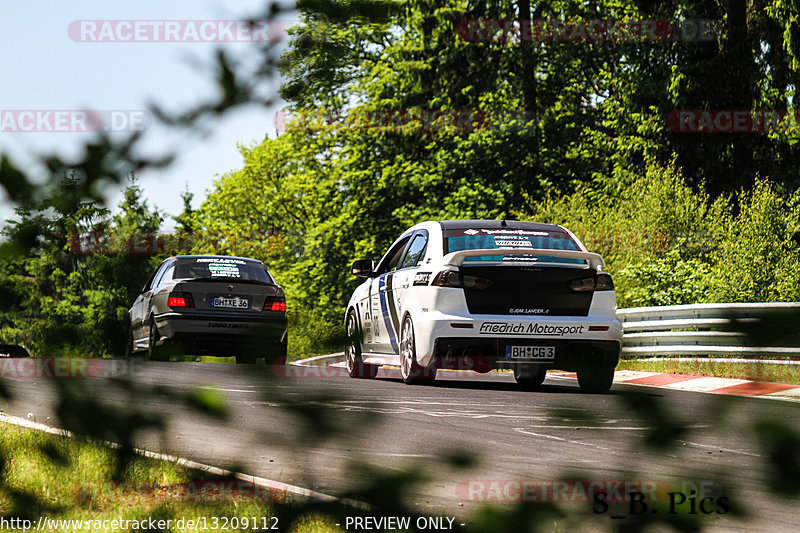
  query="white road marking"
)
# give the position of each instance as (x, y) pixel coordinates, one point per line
(386, 454)
(230, 390)
(626, 428)
(437, 414)
(302, 362)
(454, 403)
(553, 437)
(186, 463)
(724, 450)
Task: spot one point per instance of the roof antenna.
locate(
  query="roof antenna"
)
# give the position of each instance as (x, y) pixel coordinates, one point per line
(503, 223)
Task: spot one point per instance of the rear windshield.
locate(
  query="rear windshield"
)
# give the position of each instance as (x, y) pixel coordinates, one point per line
(478, 239)
(222, 268)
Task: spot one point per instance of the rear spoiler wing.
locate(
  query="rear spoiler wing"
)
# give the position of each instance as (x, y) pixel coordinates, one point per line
(456, 258)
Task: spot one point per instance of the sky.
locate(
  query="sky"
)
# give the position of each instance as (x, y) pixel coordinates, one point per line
(48, 68)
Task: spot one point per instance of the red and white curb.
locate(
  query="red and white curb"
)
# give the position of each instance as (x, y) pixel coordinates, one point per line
(713, 385)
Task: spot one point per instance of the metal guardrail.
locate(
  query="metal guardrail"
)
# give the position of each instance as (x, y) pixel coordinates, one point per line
(740, 329)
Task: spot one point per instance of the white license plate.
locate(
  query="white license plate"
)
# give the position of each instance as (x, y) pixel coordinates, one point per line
(231, 303)
(530, 352)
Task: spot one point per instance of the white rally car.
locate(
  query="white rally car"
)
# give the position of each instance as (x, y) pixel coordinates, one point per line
(482, 295)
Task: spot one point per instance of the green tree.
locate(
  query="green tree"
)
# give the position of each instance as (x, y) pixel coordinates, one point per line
(68, 291)
(186, 220)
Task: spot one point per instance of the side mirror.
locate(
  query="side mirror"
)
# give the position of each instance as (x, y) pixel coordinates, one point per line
(363, 268)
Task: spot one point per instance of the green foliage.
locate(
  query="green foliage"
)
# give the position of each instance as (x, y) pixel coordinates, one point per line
(757, 261)
(665, 242)
(61, 300)
(559, 133)
(657, 235)
(576, 136)
(668, 244)
(665, 280)
(313, 334)
(186, 220)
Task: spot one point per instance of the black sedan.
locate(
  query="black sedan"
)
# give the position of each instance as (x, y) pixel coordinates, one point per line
(210, 305)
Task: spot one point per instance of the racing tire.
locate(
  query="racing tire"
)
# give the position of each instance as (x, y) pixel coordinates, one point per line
(528, 379)
(154, 352)
(411, 371)
(595, 379)
(356, 367)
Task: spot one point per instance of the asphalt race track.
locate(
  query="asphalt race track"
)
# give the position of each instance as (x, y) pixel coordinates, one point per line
(317, 429)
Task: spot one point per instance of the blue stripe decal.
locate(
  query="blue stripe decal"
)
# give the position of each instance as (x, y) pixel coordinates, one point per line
(387, 319)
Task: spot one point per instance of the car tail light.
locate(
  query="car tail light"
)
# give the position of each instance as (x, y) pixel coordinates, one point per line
(600, 282)
(180, 299)
(454, 278)
(275, 304)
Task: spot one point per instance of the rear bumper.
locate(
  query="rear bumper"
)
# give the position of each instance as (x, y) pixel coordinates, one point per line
(228, 334)
(595, 335)
(468, 353)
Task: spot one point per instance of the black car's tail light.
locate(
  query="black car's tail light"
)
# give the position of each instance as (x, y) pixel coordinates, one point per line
(278, 303)
(453, 278)
(599, 282)
(180, 299)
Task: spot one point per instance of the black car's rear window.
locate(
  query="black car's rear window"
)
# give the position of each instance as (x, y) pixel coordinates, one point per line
(223, 268)
(456, 240)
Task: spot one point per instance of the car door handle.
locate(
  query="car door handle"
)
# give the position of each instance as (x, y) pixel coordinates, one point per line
(405, 285)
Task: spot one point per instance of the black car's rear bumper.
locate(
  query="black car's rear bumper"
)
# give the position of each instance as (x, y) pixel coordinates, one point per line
(225, 334)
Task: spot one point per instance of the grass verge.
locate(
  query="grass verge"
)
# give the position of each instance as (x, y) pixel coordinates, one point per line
(311, 334)
(751, 371)
(43, 475)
